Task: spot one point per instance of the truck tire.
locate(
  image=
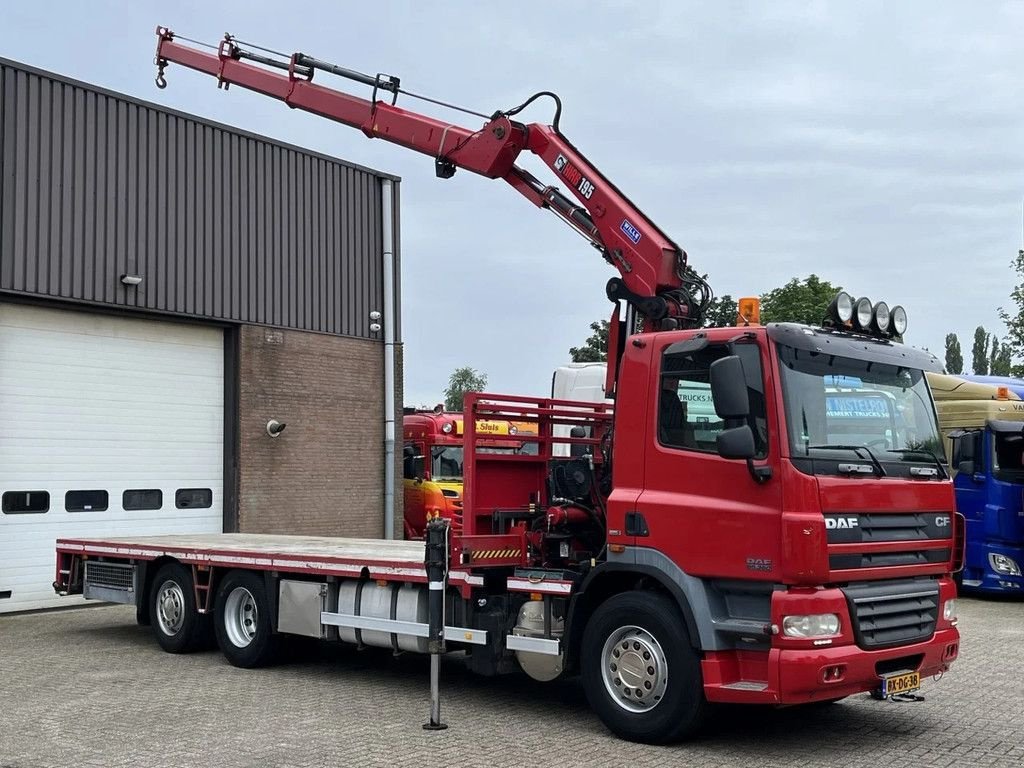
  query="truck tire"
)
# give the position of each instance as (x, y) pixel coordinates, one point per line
(178, 627)
(242, 621)
(641, 674)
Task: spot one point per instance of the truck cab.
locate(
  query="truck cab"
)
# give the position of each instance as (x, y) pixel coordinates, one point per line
(982, 421)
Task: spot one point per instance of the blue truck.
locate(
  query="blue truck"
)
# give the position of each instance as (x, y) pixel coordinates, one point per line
(982, 421)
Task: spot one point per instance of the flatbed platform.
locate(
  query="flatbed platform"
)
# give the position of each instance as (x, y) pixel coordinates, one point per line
(323, 555)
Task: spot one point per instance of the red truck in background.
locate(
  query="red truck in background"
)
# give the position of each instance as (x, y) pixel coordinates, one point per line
(433, 458)
(750, 553)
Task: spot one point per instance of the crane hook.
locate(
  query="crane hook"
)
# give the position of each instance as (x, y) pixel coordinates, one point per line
(161, 81)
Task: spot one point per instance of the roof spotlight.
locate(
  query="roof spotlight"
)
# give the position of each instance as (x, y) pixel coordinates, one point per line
(841, 308)
(882, 316)
(863, 312)
(898, 320)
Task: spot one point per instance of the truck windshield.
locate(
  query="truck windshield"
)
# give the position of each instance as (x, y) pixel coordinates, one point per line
(1008, 456)
(446, 462)
(834, 401)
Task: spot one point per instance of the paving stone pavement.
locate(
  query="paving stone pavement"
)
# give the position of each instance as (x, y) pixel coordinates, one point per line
(87, 687)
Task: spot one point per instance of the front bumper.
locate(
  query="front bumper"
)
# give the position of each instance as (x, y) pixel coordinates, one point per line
(830, 673)
(980, 576)
(800, 676)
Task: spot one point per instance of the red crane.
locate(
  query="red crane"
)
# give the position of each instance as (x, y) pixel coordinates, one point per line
(654, 280)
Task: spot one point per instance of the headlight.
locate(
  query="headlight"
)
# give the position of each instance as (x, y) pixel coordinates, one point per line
(898, 318)
(863, 311)
(1003, 564)
(949, 610)
(881, 313)
(446, 427)
(814, 625)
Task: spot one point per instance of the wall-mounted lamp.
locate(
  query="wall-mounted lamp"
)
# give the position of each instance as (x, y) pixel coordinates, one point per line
(275, 427)
(375, 322)
(131, 279)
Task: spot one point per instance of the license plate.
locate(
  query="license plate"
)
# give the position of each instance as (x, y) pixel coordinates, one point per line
(905, 683)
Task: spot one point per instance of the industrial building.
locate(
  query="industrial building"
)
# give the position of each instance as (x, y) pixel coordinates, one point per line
(172, 292)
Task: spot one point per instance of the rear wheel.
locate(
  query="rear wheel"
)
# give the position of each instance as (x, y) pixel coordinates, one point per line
(641, 674)
(242, 621)
(178, 627)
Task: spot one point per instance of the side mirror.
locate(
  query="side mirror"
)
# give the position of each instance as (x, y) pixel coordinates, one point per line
(408, 451)
(576, 450)
(736, 443)
(966, 466)
(729, 389)
(967, 448)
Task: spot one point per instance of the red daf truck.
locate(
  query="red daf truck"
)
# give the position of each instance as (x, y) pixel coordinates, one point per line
(670, 559)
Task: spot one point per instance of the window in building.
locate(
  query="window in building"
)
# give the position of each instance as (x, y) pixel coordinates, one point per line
(142, 498)
(25, 502)
(193, 498)
(86, 501)
(686, 410)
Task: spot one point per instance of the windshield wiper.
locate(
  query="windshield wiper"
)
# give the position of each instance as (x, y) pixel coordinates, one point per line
(856, 449)
(943, 474)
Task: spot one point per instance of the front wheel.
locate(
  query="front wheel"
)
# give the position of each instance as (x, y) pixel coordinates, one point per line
(641, 674)
(242, 621)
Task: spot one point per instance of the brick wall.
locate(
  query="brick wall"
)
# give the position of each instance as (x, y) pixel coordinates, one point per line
(324, 474)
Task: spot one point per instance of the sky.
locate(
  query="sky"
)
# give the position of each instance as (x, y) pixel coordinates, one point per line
(877, 145)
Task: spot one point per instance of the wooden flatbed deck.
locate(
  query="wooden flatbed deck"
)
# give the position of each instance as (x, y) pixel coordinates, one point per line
(324, 555)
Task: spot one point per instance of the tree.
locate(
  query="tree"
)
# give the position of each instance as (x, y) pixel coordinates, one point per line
(1015, 322)
(954, 357)
(1002, 364)
(993, 354)
(799, 301)
(979, 352)
(721, 312)
(461, 381)
(595, 349)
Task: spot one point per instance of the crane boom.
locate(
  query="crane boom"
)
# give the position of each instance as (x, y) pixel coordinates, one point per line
(653, 275)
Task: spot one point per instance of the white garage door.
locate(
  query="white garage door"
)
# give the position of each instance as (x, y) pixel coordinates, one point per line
(108, 427)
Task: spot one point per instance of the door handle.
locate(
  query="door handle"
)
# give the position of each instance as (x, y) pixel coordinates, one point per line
(636, 524)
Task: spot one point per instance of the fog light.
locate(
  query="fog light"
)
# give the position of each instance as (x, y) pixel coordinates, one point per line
(949, 610)
(863, 312)
(814, 625)
(842, 308)
(1003, 564)
(898, 320)
(881, 313)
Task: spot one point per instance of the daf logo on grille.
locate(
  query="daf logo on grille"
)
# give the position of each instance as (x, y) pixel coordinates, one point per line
(841, 522)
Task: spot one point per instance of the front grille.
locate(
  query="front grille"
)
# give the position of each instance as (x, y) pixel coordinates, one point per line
(886, 559)
(891, 613)
(865, 528)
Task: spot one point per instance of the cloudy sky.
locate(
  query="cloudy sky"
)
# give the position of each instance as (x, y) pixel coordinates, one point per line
(878, 145)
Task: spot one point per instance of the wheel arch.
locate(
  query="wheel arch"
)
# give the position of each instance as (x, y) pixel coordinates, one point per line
(611, 579)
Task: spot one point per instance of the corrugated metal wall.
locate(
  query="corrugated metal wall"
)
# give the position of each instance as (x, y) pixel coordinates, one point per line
(219, 223)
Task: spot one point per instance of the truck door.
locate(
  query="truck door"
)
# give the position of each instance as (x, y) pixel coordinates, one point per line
(707, 513)
(971, 466)
(412, 482)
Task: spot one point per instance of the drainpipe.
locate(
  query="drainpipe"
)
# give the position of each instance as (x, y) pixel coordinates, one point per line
(388, 239)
